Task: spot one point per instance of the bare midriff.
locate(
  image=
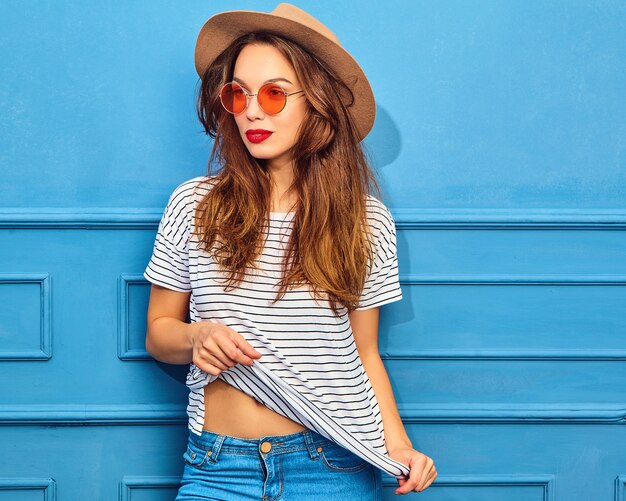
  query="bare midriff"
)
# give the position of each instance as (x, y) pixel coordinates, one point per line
(230, 411)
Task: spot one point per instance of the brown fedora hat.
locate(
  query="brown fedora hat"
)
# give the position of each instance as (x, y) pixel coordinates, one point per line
(294, 23)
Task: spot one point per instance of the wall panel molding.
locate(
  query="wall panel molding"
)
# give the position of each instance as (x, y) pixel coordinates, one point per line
(80, 219)
(544, 218)
(47, 485)
(44, 350)
(518, 482)
(134, 483)
(145, 218)
(124, 350)
(469, 413)
(91, 414)
(503, 413)
(510, 354)
(620, 488)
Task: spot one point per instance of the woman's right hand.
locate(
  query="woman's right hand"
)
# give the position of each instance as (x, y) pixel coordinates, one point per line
(216, 347)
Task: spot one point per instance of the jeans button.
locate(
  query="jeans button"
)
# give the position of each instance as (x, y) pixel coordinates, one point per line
(266, 447)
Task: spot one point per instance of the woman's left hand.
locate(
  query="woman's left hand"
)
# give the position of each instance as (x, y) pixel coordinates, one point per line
(423, 471)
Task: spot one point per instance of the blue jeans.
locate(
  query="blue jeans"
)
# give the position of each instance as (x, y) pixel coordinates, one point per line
(301, 466)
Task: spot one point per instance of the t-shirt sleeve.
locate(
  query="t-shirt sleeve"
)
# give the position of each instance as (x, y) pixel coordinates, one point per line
(169, 263)
(382, 284)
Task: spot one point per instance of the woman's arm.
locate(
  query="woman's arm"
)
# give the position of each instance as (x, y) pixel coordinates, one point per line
(364, 326)
(168, 335)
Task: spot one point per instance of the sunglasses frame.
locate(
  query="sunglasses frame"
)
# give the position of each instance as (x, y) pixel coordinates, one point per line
(249, 95)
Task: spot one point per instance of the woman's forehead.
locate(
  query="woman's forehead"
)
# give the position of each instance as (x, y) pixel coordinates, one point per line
(257, 64)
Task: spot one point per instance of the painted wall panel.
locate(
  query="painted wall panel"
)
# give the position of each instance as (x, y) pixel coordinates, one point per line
(499, 141)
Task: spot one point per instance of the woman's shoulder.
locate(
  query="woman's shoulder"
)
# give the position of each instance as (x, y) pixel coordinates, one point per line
(378, 214)
(191, 190)
(183, 201)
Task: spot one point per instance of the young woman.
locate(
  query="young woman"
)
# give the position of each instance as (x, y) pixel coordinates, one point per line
(281, 259)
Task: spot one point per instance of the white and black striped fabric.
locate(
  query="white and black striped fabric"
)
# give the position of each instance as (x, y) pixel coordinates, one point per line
(310, 370)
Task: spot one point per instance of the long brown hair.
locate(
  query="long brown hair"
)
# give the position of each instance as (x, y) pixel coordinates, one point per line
(331, 243)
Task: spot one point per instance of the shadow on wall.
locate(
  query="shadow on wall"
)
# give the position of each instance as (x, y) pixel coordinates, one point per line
(384, 142)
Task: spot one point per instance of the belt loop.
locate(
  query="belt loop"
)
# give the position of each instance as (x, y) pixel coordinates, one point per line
(310, 445)
(216, 447)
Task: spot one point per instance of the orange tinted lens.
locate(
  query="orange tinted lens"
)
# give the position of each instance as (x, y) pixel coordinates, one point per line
(233, 98)
(272, 98)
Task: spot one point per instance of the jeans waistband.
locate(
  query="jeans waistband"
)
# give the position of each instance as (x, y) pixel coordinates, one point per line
(306, 439)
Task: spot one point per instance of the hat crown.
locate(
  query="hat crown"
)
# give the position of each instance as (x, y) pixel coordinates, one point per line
(293, 13)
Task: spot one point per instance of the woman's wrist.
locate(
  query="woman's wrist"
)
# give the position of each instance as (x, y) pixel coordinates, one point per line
(399, 445)
(190, 330)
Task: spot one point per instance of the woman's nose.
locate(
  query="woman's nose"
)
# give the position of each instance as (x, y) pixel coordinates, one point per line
(254, 110)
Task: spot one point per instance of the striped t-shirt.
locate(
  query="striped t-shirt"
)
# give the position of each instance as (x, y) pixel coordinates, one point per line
(309, 369)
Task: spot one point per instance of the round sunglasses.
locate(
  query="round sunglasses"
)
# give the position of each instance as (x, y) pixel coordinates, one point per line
(271, 97)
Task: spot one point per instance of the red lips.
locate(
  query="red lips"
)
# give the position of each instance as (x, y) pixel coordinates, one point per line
(257, 135)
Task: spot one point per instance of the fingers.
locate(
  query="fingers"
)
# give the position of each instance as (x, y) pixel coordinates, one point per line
(218, 358)
(422, 474)
(223, 348)
(427, 477)
(233, 350)
(247, 349)
(209, 362)
(409, 484)
(431, 478)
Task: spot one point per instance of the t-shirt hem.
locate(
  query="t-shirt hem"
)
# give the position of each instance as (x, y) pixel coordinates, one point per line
(167, 285)
(379, 303)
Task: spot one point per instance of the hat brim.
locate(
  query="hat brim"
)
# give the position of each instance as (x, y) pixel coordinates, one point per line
(219, 31)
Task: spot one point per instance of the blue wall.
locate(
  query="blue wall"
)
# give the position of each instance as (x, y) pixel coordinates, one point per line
(500, 143)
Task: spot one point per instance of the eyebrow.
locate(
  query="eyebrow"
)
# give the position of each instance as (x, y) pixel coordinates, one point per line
(238, 80)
